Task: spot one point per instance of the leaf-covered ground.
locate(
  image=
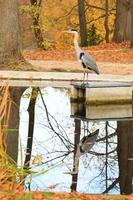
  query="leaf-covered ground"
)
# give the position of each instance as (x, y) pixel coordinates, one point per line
(111, 59)
(9, 190)
(18, 194)
(112, 52)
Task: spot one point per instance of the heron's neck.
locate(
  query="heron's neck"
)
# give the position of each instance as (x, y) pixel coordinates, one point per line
(76, 45)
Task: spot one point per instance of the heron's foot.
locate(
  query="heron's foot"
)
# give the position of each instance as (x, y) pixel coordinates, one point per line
(84, 84)
(87, 83)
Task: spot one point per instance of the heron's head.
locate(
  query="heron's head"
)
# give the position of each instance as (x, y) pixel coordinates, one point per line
(73, 31)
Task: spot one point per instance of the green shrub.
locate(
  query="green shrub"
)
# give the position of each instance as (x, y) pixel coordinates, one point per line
(92, 37)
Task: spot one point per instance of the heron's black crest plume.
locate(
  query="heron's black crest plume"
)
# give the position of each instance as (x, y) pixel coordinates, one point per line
(74, 30)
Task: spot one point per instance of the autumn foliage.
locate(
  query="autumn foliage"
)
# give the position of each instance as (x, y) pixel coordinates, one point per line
(112, 52)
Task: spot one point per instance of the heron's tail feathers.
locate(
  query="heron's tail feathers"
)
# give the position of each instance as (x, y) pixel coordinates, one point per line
(96, 70)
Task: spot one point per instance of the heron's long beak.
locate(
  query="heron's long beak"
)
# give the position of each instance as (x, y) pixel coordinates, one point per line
(67, 31)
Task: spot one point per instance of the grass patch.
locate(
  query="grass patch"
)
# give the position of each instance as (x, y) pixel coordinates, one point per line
(26, 196)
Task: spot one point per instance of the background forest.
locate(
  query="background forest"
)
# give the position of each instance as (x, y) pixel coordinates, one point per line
(97, 21)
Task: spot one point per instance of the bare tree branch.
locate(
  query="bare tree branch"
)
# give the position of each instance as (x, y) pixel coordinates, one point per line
(104, 138)
(57, 157)
(93, 6)
(67, 13)
(102, 154)
(50, 124)
(97, 7)
(111, 186)
(102, 16)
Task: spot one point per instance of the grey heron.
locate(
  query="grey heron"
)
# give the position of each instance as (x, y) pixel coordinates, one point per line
(84, 58)
(88, 141)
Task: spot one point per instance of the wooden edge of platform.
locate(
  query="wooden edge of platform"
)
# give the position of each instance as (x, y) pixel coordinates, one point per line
(83, 118)
(103, 84)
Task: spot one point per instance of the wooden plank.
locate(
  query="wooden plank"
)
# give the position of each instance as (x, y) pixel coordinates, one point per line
(103, 119)
(53, 79)
(23, 75)
(103, 84)
(36, 83)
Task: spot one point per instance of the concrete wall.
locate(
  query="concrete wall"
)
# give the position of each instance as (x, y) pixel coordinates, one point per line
(109, 95)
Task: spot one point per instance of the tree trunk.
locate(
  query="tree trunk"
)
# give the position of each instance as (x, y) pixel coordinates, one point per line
(131, 23)
(13, 126)
(106, 25)
(9, 32)
(10, 42)
(27, 34)
(122, 30)
(82, 22)
(36, 23)
(76, 155)
(31, 110)
(125, 156)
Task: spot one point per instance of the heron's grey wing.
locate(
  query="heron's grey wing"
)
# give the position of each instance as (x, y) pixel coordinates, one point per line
(87, 142)
(90, 62)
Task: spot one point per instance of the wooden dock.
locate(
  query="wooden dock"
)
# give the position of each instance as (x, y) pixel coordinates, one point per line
(54, 79)
(102, 100)
(101, 88)
(101, 84)
(102, 92)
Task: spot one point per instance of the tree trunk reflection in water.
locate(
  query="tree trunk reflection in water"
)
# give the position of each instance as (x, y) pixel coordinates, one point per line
(31, 110)
(76, 155)
(13, 127)
(125, 156)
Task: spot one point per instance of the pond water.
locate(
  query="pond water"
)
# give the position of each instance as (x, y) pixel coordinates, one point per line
(53, 145)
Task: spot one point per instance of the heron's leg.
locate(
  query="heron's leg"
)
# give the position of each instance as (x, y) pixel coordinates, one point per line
(87, 76)
(84, 77)
(87, 127)
(84, 127)
(84, 74)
